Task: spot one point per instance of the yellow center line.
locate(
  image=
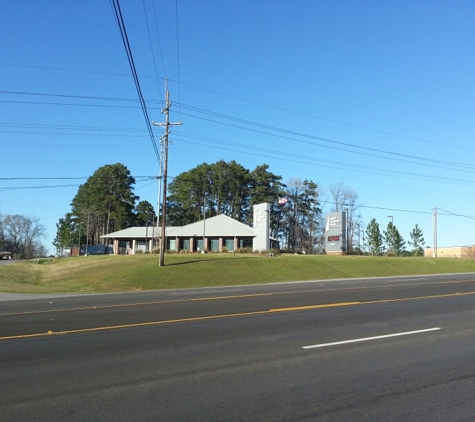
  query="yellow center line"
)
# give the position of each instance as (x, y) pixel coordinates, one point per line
(203, 299)
(239, 314)
(327, 305)
(139, 324)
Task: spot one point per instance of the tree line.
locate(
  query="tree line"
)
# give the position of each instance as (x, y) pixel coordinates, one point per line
(229, 188)
(106, 202)
(391, 241)
(22, 236)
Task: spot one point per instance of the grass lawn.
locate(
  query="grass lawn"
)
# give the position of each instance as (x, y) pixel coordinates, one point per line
(93, 274)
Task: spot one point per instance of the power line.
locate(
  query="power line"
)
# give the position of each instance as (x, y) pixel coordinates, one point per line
(67, 104)
(352, 166)
(82, 97)
(66, 178)
(256, 124)
(151, 48)
(274, 128)
(301, 113)
(178, 56)
(158, 37)
(300, 170)
(402, 210)
(128, 50)
(73, 127)
(470, 217)
(454, 146)
(428, 160)
(326, 146)
(10, 188)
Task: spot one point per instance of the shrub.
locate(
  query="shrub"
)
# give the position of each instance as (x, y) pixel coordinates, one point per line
(247, 249)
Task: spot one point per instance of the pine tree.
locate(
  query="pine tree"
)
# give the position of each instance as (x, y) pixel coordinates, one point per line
(144, 214)
(417, 241)
(106, 201)
(374, 239)
(394, 240)
(221, 188)
(65, 233)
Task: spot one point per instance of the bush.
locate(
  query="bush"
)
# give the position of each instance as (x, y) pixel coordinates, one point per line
(225, 249)
(247, 249)
(42, 261)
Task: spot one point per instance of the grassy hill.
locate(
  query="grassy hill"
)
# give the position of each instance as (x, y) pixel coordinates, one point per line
(93, 274)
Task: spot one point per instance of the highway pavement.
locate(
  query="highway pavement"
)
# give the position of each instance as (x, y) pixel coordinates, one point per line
(392, 349)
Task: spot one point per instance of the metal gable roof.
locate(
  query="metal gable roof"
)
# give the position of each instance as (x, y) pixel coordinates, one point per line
(139, 233)
(217, 226)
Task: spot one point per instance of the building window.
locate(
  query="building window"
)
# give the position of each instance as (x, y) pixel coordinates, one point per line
(245, 243)
(214, 245)
(185, 244)
(140, 245)
(199, 245)
(171, 244)
(229, 244)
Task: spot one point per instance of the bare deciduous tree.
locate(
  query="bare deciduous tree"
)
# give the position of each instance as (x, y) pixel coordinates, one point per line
(21, 235)
(344, 199)
(301, 223)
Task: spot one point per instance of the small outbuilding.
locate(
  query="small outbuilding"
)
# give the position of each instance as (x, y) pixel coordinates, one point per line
(6, 255)
(451, 252)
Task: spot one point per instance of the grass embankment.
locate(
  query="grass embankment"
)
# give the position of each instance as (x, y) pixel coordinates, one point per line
(92, 274)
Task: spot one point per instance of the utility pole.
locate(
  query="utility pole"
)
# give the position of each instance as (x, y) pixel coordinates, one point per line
(87, 232)
(146, 229)
(348, 233)
(363, 247)
(164, 139)
(204, 225)
(359, 238)
(434, 222)
(79, 240)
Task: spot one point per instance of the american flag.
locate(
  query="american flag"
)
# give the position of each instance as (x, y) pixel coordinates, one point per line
(283, 201)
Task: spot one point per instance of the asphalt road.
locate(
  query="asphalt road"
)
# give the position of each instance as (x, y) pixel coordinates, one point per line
(6, 261)
(395, 349)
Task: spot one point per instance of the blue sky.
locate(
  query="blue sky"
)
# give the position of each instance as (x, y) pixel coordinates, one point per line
(377, 95)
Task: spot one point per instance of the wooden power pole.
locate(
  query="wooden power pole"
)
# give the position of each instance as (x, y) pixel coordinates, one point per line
(164, 139)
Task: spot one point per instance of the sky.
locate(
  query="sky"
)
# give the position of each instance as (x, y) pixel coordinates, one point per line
(379, 96)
